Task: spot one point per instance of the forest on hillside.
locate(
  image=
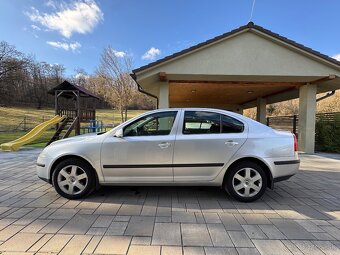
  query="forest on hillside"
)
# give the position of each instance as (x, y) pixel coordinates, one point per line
(25, 81)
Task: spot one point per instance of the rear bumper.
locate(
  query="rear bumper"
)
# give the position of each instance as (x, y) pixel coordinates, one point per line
(282, 168)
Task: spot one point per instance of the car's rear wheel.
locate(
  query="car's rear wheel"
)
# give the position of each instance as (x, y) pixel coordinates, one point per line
(246, 181)
(73, 178)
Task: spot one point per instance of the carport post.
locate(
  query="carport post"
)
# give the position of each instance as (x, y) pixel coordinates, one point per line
(307, 108)
(261, 110)
(164, 95)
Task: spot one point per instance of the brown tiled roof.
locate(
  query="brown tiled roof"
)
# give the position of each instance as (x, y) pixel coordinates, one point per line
(249, 25)
(65, 85)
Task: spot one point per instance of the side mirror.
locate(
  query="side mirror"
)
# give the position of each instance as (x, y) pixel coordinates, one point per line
(119, 133)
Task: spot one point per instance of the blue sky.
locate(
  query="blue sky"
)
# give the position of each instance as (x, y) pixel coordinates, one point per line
(74, 32)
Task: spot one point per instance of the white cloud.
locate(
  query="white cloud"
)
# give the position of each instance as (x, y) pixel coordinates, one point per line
(151, 54)
(34, 27)
(119, 54)
(80, 16)
(63, 45)
(51, 3)
(337, 57)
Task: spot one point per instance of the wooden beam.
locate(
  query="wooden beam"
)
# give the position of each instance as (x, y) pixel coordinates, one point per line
(240, 83)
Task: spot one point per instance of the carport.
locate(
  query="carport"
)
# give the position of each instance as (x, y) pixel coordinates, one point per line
(247, 67)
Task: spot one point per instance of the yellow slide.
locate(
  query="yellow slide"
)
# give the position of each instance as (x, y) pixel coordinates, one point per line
(35, 133)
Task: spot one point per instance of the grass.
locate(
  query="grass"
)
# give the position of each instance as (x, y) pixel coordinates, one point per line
(12, 122)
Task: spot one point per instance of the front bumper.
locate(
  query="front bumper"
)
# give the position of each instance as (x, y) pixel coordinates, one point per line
(43, 166)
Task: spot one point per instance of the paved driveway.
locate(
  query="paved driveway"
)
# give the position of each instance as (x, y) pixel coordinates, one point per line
(301, 216)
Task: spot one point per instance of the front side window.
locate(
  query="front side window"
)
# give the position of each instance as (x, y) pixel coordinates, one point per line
(199, 122)
(151, 125)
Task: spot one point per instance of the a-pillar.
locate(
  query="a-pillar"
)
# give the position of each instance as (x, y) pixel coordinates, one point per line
(307, 108)
(261, 110)
(164, 95)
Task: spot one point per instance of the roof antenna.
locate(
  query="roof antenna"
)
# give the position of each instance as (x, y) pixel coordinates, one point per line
(252, 10)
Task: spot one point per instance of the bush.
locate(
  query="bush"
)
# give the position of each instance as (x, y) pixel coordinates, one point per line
(327, 137)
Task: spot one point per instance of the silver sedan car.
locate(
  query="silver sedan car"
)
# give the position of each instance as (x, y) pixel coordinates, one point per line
(192, 146)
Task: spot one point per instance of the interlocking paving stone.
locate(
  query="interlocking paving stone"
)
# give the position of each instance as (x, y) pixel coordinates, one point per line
(92, 245)
(247, 251)
(292, 230)
(271, 247)
(291, 247)
(272, 232)
(130, 209)
(166, 234)
(20, 242)
(219, 235)
(195, 235)
(327, 247)
(116, 228)
(76, 245)
(240, 239)
(42, 241)
(113, 245)
(255, 219)
(307, 247)
(184, 217)
(140, 226)
(333, 231)
(79, 224)
(302, 213)
(220, 251)
(309, 226)
(230, 222)
(56, 243)
(193, 251)
(254, 232)
(171, 250)
(141, 250)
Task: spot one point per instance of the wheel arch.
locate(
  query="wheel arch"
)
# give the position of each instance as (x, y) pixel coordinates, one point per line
(70, 156)
(255, 160)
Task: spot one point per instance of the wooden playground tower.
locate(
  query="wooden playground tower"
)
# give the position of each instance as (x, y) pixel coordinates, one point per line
(77, 104)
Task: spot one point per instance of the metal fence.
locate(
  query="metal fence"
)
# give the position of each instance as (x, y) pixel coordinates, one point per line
(327, 132)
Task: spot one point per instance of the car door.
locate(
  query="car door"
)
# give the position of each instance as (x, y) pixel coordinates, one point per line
(205, 142)
(144, 153)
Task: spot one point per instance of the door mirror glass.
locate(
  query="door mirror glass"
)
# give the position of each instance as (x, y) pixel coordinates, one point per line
(119, 133)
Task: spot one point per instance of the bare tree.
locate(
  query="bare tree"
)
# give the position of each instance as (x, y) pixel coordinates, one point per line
(10, 59)
(118, 86)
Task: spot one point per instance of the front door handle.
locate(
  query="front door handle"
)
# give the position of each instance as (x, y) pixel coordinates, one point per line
(164, 145)
(231, 143)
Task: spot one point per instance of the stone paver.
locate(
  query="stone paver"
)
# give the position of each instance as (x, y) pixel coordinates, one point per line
(166, 234)
(300, 216)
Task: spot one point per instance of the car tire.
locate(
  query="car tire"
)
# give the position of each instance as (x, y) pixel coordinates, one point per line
(246, 181)
(73, 178)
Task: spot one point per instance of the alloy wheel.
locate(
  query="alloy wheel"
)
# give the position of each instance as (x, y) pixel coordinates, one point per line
(247, 182)
(72, 180)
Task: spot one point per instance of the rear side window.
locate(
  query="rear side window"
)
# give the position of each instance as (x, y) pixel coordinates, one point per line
(231, 125)
(197, 122)
(201, 122)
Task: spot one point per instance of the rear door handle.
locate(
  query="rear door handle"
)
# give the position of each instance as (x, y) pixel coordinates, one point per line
(231, 143)
(164, 145)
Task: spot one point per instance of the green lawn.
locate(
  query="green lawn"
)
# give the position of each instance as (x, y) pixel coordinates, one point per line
(13, 119)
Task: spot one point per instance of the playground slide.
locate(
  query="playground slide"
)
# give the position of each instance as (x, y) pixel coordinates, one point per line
(34, 134)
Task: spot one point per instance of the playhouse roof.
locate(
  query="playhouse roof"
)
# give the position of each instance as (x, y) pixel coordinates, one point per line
(69, 87)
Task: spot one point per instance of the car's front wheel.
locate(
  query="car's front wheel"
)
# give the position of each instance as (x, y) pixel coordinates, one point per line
(73, 178)
(246, 181)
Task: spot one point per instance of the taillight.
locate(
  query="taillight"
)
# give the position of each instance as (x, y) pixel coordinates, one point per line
(295, 143)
